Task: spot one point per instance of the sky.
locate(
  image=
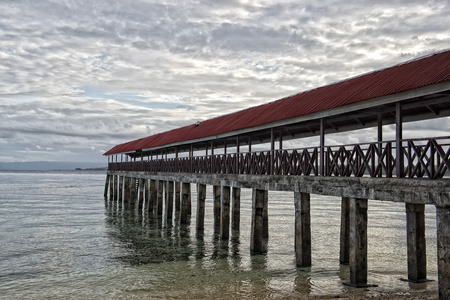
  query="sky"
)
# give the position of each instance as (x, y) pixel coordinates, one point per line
(78, 77)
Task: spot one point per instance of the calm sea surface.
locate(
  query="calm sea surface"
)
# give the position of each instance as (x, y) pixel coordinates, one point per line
(60, 239)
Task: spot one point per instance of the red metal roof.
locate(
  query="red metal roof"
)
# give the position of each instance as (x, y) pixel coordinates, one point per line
(418, 73)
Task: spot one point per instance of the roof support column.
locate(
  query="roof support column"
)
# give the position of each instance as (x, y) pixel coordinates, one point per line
(380, 139)
(322, 147)
(272, 148)
(237, 154)
(399, 167)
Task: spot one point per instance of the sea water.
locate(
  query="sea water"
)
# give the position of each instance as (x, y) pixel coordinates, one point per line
(61, 239)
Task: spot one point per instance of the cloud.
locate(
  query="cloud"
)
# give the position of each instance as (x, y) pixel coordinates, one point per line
(78, 77)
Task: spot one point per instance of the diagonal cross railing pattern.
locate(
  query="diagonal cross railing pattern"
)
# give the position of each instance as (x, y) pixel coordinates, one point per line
(423, 158)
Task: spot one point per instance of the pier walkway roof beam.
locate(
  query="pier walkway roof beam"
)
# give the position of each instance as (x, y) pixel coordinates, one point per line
(421, 85)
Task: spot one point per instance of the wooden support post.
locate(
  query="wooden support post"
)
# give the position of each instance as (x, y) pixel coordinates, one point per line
(159, 201)
(177, 197)
(415, 237)
(358, 242)
(399, 167)
(322, 147)
(106, 185)
(302, 229)
(201, 197)
(272, 151)
(257, 244)
(153, 199)
(225, 212)
(169, 201)
(344, 247)
(216, 195)
(185, 202)
(443, 250)
(236, 208)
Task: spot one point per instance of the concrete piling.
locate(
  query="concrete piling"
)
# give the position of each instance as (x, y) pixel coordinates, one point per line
(302, 229)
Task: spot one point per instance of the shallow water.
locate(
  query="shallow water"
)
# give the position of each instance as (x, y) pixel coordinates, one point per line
(60, 239)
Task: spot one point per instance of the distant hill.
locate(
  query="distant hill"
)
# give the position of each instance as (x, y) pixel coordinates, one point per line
(46, 166)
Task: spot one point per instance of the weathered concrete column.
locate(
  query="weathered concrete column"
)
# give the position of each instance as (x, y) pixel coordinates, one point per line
(111, 187)
(106, 185)
(121, 188)
(257, 244)
(358, 242)
(236, 205)
(266, 215)
(133, 193)
(302, 229)
(159, 201)
(225, 212)
(177, 197)
(216, 196)
(141, 193)
(169, 200)
(185, 202)
(344, 247)
(153, 195)
(116, 187)
(416, 243)
(146, 192)
(443, 250)
(201, 197)
(126, 194)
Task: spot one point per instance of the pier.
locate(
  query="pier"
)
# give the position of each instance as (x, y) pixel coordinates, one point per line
(247, 149)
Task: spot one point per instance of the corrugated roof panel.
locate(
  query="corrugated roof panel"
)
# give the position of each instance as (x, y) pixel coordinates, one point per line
(407, 76)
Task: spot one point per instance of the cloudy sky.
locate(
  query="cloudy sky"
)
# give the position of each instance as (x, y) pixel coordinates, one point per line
(78, 77)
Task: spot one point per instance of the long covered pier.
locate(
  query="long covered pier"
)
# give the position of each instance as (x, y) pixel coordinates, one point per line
(282, 146)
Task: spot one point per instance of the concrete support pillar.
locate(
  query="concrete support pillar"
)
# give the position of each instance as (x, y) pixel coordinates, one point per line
(201, 197)
(302, 229)
(115, 187)
(159, 201)
(358, 242)
(169, 200)
(344, 247)
(121, 188)
(133, 194)
(111, 187)
(153, 195)
(146, 192)
(216, 196)
(416, 243)
(443, 250)
(257, 243)
(177, 197)
(141, 193)
(266, 215)
(126, 194)
(225, 212)
(185, 202)
(236, 206)
(106, 185)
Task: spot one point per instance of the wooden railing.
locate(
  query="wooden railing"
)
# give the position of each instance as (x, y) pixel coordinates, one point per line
(427, 158)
